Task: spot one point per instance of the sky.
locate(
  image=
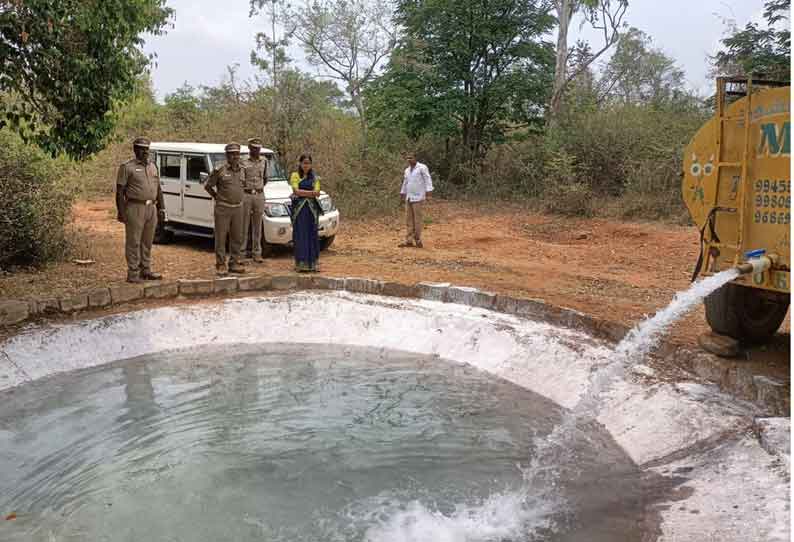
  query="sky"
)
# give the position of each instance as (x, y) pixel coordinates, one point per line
(207, 36)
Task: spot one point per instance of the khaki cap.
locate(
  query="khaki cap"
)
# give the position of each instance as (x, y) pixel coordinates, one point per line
(254, 142)
(141, 142)
(232, 147)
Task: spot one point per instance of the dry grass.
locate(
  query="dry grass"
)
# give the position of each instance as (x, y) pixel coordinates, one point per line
(96, 177)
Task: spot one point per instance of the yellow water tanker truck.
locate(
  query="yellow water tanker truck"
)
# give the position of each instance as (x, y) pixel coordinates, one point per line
(737, 187)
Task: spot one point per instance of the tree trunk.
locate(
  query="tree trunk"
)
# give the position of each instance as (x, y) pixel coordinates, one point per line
(358, 103)
(275, 47)
(565, 9)
(276, 110)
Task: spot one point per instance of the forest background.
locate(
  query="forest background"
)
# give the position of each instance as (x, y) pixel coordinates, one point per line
(488, 93)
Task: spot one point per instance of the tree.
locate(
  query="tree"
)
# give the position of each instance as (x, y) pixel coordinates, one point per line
(274, 45)
(304, 101)
(348, 40)
(140, 113)
(410, 97)
(229, 92)
(759, 51)
(467, 69)
(604, 15)
(64, 63)
(182, 106)
(638, 74)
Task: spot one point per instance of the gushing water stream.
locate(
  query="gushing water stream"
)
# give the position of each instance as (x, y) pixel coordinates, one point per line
(505, 516)
(528, 509)
(645, 335)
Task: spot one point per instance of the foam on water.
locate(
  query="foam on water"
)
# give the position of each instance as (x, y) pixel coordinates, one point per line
(529, 513)
(503, 516)
(285, 445)
(520, 513)
(534, 510)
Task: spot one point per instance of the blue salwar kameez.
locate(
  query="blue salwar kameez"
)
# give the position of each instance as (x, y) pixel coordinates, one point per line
(305, 225)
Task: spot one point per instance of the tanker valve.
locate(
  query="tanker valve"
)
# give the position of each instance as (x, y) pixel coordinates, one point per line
(758, 261)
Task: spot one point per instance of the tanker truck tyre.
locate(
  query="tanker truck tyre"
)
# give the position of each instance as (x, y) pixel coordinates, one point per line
(747, 314)
(326, 242)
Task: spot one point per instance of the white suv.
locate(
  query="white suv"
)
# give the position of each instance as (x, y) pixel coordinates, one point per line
(184, 168)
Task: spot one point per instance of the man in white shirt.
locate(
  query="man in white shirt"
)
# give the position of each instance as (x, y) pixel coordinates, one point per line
(416, 188)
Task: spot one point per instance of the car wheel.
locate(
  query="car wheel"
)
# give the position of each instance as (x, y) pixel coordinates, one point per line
(326, 242)
(162, 236)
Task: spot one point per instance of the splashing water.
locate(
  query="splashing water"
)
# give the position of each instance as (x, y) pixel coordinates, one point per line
(531, 509)
(536, 508)
(502, 516)
(437, 463)
(526, 514)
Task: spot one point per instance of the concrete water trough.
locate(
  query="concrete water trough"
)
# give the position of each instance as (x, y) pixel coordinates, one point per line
(662, 453)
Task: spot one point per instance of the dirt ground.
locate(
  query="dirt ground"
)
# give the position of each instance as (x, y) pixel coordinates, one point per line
(613, 270)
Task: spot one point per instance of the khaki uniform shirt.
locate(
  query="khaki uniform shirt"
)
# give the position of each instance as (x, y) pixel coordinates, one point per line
(139, 181)
(255, 173)
(229, 184)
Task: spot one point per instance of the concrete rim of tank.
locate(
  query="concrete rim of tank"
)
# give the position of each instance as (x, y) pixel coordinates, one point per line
(726, 454)
(771, 395)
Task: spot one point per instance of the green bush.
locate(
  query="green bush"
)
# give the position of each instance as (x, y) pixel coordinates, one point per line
(37, 201)
(574, 199)
(622, 161)
(366, 186)
(653, 191)
(613, 148)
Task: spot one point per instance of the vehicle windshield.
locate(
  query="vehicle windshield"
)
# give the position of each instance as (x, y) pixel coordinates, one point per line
(274, 171)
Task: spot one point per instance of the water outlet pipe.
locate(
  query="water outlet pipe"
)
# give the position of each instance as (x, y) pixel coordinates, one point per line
(757, 262)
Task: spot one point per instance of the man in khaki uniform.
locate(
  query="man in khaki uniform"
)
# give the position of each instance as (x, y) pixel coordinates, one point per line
(254, 199)
(225, 185)
(139, 204)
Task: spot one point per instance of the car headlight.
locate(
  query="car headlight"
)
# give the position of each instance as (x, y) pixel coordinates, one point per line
(327, 204)
(276, 209)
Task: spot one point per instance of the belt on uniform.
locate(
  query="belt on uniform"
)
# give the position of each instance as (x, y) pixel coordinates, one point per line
(253, 190)
(225, 204)
(141, 201)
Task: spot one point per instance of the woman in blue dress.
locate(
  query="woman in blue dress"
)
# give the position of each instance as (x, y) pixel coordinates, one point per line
(306, 213)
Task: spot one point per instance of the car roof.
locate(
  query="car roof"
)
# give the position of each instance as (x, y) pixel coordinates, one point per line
(202, 148)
